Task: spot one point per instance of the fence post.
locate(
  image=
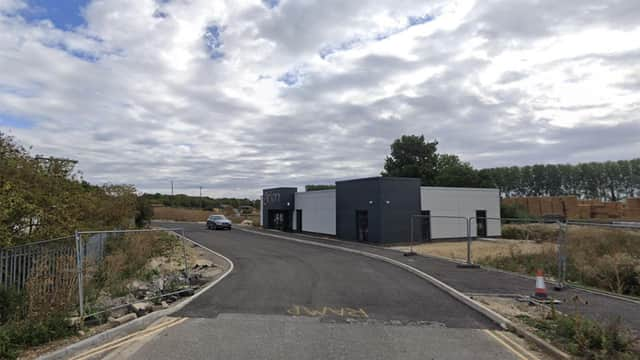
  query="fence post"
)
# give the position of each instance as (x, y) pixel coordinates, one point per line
(469, 264)
(562, 255)
(79, 262)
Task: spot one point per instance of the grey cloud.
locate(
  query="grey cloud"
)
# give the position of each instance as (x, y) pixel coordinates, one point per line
(143, 118)
(530, 19)
(511, 76)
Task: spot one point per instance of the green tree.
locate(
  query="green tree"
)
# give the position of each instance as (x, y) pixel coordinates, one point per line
(411, 156)
(451, 171)
(42, 198)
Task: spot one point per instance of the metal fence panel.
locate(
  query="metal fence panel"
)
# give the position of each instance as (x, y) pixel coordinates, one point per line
(115, 271)
(18, 263)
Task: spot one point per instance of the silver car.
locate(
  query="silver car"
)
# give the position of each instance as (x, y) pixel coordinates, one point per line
(215, 222)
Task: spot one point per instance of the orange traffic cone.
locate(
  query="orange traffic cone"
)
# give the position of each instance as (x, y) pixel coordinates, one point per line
(541, 289)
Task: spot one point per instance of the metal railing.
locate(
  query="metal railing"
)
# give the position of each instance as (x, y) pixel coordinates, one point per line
(73, 269)
(18, 263)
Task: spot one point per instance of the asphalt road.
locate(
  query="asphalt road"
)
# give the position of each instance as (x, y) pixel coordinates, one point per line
(286, 300)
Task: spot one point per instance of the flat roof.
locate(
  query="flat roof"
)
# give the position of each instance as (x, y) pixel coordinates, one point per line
(281, 188)
(315, 191)
(458, 188)
(393, 178)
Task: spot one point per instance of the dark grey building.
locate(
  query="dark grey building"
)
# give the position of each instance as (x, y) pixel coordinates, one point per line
(382, 209)
(277, 207)
(376, 209)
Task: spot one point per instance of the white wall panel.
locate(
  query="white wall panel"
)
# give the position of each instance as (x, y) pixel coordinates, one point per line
(262, 217)
(463, 202)
(318, 211)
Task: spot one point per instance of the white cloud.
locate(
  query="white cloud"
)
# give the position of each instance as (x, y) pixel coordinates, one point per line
(136, 95)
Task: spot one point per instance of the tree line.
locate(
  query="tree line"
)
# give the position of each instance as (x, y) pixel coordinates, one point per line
(610, 180)
(197, 202)
(412, 156)
(43, 198)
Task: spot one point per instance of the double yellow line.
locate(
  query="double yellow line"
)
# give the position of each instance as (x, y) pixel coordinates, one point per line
(513, 346)
(130, 338)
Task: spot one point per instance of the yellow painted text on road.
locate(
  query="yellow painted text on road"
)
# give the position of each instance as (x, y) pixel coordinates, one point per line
(299, 310)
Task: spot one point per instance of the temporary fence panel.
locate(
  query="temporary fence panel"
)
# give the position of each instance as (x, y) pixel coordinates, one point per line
(121, 267)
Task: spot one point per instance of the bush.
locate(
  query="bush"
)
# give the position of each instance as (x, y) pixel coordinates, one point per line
(15, 336)
(11, 304)
(144, 212)
(513, 211)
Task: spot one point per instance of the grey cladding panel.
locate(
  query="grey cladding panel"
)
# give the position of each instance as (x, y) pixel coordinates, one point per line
(279, 198)
(354, 195)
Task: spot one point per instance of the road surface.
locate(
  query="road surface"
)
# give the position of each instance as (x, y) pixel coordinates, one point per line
(286, 300)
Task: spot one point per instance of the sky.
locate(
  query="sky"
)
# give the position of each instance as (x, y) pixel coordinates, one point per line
(236, 96)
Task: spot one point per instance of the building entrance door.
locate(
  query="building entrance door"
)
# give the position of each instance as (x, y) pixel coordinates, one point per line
(362, 225)
(481, 223)
(298, 220)
(279, 219)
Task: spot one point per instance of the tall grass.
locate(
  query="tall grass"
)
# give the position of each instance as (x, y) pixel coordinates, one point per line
(605, 258)
(586, 338)
(38, 313)
(125, 260)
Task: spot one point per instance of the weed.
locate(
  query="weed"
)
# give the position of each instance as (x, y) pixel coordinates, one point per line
(608, 259)
(584, 337)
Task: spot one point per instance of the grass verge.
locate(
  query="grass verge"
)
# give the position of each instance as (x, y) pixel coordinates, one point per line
(603, 258)
(585, 338)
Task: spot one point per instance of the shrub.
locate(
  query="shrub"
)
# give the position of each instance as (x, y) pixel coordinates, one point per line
(8, 350)
(11, 304)
(15, 336)
(513, 211)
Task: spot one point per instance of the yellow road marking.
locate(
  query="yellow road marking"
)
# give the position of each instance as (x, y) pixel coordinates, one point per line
(521, 348)
(503, 343)
(298, 310)
(130, 338)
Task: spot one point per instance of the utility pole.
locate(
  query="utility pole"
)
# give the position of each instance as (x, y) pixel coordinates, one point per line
(200, 197)
(171, 187)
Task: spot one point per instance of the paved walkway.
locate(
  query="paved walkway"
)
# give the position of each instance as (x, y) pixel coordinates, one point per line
(601, 308)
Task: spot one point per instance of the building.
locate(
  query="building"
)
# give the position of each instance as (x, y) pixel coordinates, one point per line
(384, 210)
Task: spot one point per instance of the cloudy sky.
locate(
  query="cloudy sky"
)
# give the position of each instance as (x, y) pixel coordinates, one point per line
(239, 95)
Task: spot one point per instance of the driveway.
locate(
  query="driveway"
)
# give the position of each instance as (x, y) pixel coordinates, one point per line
(286, 300)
